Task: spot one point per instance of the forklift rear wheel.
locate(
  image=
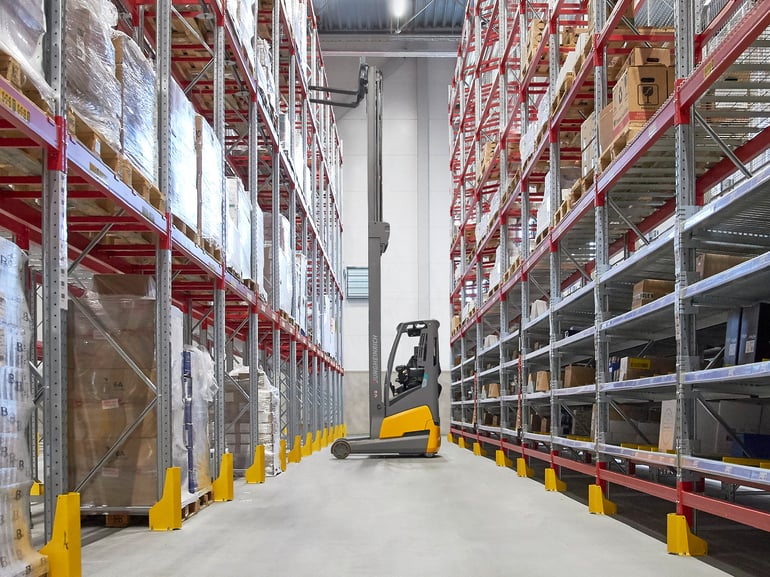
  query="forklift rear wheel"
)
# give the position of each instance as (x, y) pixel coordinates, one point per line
(341, 448)
(429, 455)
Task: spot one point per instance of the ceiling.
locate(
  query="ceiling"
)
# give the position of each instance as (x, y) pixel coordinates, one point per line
(416, 28)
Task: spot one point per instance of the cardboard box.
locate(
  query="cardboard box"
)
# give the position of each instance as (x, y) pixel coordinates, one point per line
(588, 131)
(455, 323)
(650, 290)
(638, 368)
(667, 430)
(588, 159)
(577, 376)
(493, 390)
(124, 285)
(754, 344)
(732, 337)
(650, 57)
(545, 425)
(537, 308)
(709, 264)
(638, 93)
(543, 381)
(605, 127)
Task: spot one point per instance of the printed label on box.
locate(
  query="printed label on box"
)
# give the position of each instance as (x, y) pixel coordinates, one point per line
(110, 404)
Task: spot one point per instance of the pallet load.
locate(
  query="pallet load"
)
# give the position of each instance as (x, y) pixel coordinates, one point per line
(22, 28)
(139, 133)
(242, 14)
(265, 79)
(17, 556)
(108, 399)
(182, 190)
(191, 426)
(93, 91)
(238, 250)
(641, 89)
(268, 419)
(285, 277)
(209, 184)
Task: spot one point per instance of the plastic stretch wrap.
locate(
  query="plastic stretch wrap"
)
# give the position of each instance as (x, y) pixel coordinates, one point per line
(259, 248)
(182, 190)
(93, 92)
(270, 433)
(191, 407)
(242, 14)
(237, 413)
(139, 135)
(210, 175)
(22, 30)
(244, 233)
(107, 397)
(236, 220)
(300, 292)
(265, 58)
(17, 556)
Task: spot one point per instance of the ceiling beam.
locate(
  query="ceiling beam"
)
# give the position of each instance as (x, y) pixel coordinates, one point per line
(390, 45)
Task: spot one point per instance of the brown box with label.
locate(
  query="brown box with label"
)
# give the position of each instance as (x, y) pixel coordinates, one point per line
(639, 368)
(708, 264)
(577, 376)
(649, 290)
(638, 94)
(493, 390)
(605, 127)
(542, 381)
(650, 57)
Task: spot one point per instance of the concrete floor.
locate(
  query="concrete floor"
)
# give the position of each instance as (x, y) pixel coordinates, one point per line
(454, 515)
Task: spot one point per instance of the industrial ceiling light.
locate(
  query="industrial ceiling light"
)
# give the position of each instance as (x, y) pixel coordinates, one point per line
(398, 8)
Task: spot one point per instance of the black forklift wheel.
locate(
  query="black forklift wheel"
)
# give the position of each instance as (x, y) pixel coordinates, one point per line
(341, 448)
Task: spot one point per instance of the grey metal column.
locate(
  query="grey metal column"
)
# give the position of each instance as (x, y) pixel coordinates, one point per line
(504, 181)
(379, 232)
(275, 279)
(684, 251)
(523, 413)
(253, 356)
(554, 176)
(601, 221)
(55, 282)
(163, 251)
(220, 338)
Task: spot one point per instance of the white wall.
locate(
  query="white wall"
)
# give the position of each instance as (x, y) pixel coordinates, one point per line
(416, 196)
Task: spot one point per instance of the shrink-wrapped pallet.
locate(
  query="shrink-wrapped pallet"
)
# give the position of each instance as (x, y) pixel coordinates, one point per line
(22, 32)
(108, 398)
(209, 177)
(139, 134)
(191, 419)
(93, 92)
(258, 248)
(268, 419)
(182, 189)
(242, 15)
(17, 556)
(238, 228)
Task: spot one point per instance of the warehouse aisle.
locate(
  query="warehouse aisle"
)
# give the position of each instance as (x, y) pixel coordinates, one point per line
(374, 517)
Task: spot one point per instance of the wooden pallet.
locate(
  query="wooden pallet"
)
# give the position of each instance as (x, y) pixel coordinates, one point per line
(587, 181)
(145, 188)
(562, 91)
(12, 70)
(202, 500)
(619, 144)
(563, 210)
(542, 236)
(92, 140)
(212, 249)
(576, 192)
(188, 231)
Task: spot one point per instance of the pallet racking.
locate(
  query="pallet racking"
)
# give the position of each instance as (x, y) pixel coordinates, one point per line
(686, 181)
(135, 233)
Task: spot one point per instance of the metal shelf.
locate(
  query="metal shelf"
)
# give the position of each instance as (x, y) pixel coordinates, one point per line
(636, 218)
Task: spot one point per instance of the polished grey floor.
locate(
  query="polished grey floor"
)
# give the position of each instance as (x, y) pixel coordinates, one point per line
(456, 515)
